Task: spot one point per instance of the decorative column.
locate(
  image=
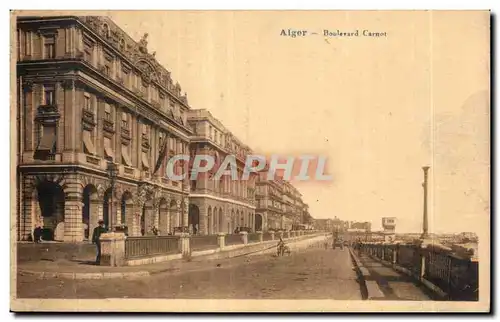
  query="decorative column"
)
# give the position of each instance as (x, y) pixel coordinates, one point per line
(72, 228)
(156, 207)
(178, 220)
(148, 217)
(221, 239)
(185, 214)
(168, 219)
(425, 233)
(185, 170)
(139, 200)
(244, 237)
(112, 249)
(184, 245)
(261, 236)
(30, 210)
(94, 214)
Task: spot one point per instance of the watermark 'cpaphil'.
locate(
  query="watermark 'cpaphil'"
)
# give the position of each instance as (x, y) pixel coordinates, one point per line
(300, 168)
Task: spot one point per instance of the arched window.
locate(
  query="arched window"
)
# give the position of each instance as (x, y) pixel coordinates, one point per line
(106, 30)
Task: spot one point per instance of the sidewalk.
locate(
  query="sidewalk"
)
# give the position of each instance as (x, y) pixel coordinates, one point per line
(82, 268)
(384, 283)
(76, 269)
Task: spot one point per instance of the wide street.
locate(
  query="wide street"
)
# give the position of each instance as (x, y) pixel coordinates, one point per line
(314, 273)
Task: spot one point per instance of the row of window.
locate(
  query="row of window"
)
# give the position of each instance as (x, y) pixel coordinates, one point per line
(131, 80)
(219, 138)
(214, 135)
(151, 92)
(48, 41)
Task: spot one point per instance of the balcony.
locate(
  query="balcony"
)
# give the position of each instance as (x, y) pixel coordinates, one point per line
(128, 170)
(92, 159)
(145, 141)
(125, 132)
(88, 118)
(108, 126)
(156, 104)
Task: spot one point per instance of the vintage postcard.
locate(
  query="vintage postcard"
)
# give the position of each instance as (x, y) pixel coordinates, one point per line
(250, 161)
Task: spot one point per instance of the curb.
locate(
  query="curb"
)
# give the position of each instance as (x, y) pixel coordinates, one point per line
(362, 273)
(85, 276)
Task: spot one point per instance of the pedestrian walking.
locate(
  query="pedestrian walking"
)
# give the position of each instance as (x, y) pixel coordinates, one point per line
(37, 234)
(96, 239)
(280, 246)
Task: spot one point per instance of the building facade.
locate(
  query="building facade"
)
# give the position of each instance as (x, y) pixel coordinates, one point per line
(365, 226)
(219, 205)
(270, 205)
(389, 224)
(97, 117)
(280, 204)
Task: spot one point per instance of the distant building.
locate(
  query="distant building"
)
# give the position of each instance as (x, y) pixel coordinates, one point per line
(468, 235)
(217, 206)
(389, 224)
(323, 224)
(366, 226)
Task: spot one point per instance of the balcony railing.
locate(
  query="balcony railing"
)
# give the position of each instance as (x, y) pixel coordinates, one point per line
(125, 133)
(88, 117)
(108, 125)
(151, 245)
(233, 239)
(142, 247)
(128, 170)
(197, 243)
(92, 159)
(253, 238)
(267, 236)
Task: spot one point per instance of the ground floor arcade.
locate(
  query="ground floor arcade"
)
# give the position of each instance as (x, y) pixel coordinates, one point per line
(67, 206)
(208, 215)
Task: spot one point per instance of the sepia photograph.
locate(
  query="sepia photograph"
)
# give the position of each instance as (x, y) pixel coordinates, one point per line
(250, 161)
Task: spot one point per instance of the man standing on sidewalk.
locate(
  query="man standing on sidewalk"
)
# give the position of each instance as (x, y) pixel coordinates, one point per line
(95, 239)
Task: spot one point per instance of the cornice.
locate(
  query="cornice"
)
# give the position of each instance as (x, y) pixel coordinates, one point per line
(139, 106)
(135, 55)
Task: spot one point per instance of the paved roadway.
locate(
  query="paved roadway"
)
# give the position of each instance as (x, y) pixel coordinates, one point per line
(314, 273)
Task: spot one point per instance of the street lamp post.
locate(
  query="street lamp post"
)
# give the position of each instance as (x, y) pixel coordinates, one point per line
(112, 174)
(425, 228)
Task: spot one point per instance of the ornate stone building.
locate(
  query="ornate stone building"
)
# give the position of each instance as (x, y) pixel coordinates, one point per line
(279, 204)
(97, 117)
(270, 205)
(225, 204)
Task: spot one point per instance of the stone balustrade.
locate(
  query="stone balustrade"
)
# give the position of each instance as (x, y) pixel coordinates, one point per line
(118, 250)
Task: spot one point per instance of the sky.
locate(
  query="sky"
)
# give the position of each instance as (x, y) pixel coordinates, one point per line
(377, 108)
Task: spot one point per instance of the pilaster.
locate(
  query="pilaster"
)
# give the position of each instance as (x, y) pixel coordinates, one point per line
(73, 226)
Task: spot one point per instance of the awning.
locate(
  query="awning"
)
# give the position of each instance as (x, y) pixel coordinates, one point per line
(48, 139)
(145, 162)
(87, 142)
(126, 157)
(108, 150)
